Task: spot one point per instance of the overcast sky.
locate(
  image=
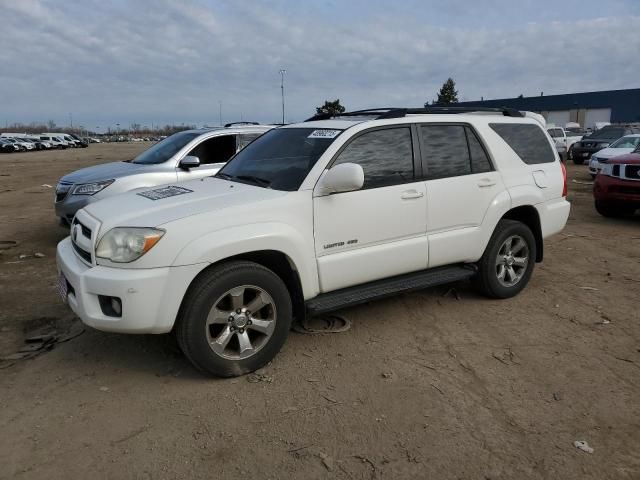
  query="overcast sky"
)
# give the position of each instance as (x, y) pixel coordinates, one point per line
(172, 62)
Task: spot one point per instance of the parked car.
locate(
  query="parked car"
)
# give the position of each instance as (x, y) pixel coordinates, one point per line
(55, 142)
(8, 147)
(595, 142)
(616, 189)
(81, 142)
(22, 145)
(316, 216)
(626, 144)
(182, 156)
(564, 140)
(39, 144)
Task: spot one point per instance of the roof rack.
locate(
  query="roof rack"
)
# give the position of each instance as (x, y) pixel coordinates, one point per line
(227, 125)
(387, 112)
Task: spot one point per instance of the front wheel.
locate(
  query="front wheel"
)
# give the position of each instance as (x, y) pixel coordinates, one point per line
(234, 319)
(508, 261)
(613, 210)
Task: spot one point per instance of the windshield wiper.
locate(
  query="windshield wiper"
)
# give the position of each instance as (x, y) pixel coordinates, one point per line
(223, 175)
(251, 178)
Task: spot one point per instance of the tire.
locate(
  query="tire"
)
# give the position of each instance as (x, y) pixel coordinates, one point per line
(217, 349)
(489, 270)
(612, 210)
(577, 161)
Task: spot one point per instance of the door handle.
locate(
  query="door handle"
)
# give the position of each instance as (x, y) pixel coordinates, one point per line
(411, 194)
(486, 182)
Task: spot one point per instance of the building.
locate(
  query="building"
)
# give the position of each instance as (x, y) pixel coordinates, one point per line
(615, 106)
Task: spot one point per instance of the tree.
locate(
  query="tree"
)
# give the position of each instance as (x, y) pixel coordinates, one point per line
(51, 124)
(447, 94)
(331, 108)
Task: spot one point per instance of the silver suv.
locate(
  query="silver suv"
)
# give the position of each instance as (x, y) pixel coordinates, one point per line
(183, 156)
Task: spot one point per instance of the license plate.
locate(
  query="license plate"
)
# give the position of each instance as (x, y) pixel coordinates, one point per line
(62, 287)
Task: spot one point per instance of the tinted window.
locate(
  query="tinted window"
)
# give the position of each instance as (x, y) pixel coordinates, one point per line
(386, 156)
(480, 163)
(279, 159)
(215, 150)
(528, 141)
(444, 149)
(608, 133)
(626, 142)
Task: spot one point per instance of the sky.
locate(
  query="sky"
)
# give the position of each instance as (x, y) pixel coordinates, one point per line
(98, 63)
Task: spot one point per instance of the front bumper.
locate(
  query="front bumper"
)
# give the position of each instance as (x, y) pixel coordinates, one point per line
(608, 189)
(150, 297)
(583, 153)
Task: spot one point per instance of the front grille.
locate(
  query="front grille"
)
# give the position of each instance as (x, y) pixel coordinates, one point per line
(86, 231)
(62, 190)
(86, 256)
(632, 172)
(616, 170)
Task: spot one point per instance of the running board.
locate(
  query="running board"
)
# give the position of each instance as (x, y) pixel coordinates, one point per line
(350, 296)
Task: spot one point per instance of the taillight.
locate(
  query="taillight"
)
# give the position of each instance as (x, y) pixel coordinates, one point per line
(564, 179)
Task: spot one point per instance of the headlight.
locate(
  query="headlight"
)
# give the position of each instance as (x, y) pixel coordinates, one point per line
(91, 188)
(126, 244)
(607, 169)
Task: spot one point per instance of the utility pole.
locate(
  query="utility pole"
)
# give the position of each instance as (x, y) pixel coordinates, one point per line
(220, 111)
(71, 120)
(282, 72)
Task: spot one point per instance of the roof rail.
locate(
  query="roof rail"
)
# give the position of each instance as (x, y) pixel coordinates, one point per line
(387, 112)
(227, 125)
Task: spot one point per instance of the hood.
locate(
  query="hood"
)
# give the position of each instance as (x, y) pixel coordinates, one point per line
(612, 152)
(105, 171)
(175, 201)
(628, 159)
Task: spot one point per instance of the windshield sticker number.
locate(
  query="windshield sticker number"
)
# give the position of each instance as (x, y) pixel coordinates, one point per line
(324, 134)
(164, 192)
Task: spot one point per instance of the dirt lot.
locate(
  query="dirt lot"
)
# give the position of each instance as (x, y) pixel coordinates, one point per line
(424, 385)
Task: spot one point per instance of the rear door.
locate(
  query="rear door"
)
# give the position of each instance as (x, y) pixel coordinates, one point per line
(461, 184)
(380, 230)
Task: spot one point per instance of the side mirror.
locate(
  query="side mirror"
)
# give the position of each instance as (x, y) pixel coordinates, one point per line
(345, 177)
(189, 162)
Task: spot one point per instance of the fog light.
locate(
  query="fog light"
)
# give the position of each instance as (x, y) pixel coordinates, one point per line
(111, 306)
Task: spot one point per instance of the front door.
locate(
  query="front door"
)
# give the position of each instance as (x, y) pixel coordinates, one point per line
(213, 154)
(380, 230)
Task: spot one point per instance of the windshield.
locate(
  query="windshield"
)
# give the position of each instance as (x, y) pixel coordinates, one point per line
(555, 132)
(167, 148)
(626, 142)
(279, 159)
(610, 133)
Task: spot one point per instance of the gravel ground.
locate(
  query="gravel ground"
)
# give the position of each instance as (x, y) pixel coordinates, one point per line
(437, 384)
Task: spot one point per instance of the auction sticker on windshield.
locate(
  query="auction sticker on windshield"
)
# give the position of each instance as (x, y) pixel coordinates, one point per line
(164, 192)
(324, 134)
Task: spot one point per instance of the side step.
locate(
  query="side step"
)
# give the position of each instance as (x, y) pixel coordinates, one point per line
(350, 296)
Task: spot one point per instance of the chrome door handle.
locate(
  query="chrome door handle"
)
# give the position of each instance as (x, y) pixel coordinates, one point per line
(411, 194)
(486, 182)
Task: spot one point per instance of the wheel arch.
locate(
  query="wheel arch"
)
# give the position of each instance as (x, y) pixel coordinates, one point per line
(528, 215)
(276, 261)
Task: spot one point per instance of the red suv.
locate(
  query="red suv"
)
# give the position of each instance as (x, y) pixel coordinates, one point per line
(617, 187)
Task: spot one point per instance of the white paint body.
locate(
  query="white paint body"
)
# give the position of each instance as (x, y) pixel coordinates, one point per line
(400, 229)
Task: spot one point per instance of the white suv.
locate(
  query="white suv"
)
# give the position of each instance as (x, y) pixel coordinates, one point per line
(316, 216)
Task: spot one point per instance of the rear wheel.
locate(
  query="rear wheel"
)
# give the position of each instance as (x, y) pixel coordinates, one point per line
(508, 261)
(234, 319)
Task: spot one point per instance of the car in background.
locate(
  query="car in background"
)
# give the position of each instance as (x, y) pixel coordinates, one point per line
(8, 147)
(564, 140)
(183, 156)
(81, 142)
(39, 144)
(56, 142)
(616, 189)
(22, 145)
(626, 144)
(595, 142)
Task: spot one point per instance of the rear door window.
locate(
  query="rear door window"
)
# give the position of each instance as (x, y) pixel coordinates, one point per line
(528, 141)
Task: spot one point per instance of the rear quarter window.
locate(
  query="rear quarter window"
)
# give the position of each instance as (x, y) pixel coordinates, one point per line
(527, 140)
